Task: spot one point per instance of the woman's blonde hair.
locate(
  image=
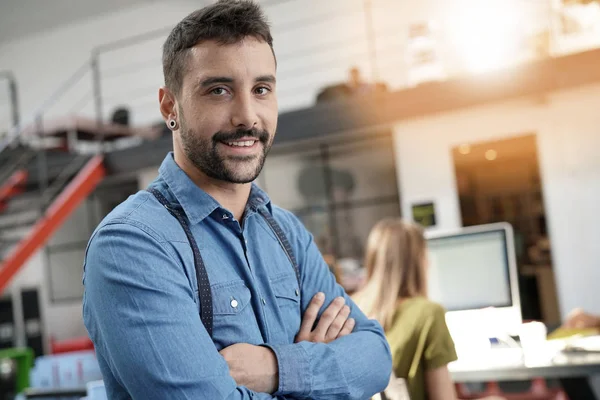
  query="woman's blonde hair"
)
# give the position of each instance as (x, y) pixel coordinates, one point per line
(394, 260)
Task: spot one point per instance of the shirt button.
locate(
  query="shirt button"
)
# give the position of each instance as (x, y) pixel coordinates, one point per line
(225, 216)
(264, 301)
(297, 293)
(234, 303)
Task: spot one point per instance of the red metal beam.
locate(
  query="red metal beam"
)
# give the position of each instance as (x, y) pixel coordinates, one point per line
(71, 197)
(12, 185)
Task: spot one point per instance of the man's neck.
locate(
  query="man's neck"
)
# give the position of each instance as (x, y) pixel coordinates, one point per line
(231, 196)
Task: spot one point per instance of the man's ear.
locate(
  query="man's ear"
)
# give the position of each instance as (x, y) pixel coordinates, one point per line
(167, 103)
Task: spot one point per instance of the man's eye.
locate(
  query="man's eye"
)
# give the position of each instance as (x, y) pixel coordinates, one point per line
(218, 91)
(262, 90)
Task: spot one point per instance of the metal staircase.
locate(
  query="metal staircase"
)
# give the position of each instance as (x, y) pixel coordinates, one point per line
(40, 185)
(43, 192)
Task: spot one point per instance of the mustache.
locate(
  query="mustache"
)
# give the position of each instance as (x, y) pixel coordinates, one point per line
(262, 136)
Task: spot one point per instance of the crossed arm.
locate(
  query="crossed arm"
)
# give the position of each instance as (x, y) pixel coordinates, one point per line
(140, 311)
(255, 367)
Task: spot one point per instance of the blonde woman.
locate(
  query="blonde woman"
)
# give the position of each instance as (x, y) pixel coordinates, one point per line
(396, 295)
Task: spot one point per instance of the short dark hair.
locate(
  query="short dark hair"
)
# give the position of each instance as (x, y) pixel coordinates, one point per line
(226, 21)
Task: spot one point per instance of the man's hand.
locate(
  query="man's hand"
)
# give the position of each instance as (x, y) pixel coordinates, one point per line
(254, 367)
(333, 324)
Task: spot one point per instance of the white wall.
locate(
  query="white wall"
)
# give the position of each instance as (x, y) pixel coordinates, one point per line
(567, 124)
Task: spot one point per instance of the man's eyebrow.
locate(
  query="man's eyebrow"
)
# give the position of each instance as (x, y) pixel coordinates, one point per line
(215, 79)
(266, 78)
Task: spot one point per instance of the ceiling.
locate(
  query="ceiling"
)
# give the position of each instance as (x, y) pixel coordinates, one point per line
(21, 18)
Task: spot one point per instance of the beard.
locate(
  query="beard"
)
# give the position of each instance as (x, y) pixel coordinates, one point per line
(204, 154)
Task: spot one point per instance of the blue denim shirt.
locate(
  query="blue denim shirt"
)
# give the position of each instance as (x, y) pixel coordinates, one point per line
(141, 305)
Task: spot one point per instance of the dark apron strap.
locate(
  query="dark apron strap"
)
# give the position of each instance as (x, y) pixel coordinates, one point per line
(283, 241)
(204, 293)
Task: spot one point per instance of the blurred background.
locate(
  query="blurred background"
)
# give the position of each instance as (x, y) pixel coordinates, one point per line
(452, 113)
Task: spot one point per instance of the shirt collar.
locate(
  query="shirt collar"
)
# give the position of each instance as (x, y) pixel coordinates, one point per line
(259, 198)
(196, 203)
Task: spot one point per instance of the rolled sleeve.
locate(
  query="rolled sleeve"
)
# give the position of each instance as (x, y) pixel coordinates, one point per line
(294, 369)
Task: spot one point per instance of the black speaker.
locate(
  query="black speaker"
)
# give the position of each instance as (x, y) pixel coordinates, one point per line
(32, 321)
(7, 323)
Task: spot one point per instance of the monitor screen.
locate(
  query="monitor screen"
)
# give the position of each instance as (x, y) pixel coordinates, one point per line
(470, 270)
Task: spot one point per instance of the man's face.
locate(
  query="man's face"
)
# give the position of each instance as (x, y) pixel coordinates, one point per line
(227, 109)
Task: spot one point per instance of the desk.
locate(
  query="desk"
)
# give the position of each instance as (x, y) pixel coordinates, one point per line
(573, 371)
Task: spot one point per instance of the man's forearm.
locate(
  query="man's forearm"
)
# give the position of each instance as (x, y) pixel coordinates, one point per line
(353, 367)
(254, 367)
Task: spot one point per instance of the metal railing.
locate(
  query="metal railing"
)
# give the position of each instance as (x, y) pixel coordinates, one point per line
(13, 102)
(37, 118)
(48, 186)
(12, 95)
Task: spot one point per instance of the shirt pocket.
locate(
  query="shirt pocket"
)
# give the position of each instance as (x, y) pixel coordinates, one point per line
(230, 298)
(233, 318)
(287, 294)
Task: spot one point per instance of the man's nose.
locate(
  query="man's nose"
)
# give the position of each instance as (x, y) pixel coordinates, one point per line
(244, 115)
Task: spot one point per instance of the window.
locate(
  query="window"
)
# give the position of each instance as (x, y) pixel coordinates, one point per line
(338, 190)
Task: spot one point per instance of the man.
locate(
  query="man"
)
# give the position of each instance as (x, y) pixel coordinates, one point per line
(204, 240)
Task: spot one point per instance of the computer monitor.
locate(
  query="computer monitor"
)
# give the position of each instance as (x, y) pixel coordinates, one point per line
(473, 274)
